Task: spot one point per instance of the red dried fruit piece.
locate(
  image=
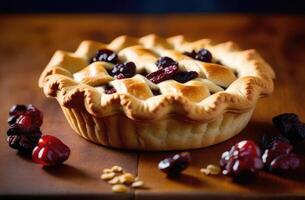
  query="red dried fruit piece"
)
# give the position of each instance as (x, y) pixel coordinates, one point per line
(26, 122)
(163, 74)
(242, 161)
(50, 151)
(285, 163)
(36, 115)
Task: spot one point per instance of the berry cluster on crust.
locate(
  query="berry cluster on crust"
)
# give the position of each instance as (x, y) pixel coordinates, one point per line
(254, 79)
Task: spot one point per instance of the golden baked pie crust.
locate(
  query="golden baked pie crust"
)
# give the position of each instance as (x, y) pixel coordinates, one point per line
(75, 84)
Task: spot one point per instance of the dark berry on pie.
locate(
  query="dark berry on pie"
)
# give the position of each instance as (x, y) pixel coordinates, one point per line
(191, 54)
(242, 161)
(163, 74)
(204, 55)
(184, 77)
(109, 89)
(50, 151)
(105, 55)
(290, 126)
(164, 62)
(124, 70)
(173, 166)
(155, 92)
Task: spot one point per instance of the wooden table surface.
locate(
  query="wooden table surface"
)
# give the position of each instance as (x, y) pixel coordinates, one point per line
(27, 42)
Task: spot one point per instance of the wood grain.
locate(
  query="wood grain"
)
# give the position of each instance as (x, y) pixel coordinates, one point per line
(26, 45)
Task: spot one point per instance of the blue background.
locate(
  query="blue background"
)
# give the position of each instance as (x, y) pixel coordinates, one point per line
(153, 6)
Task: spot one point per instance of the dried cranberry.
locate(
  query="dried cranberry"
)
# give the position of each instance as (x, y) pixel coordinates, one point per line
(15, 129)
(278, 155)
(267, 140)
(290, 126)
(24, 143)
(183, 77)
(109, 89)
(284, 162)
(124, 70)
(50, 151)
(12, 119)
(173, 166)
(26, 122)
(17, 109)
(105, 55)
(35, 114)
(163, 74)
(164, 62)
(242, 161)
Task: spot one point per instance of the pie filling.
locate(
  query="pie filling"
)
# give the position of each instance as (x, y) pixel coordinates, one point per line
(107, 68)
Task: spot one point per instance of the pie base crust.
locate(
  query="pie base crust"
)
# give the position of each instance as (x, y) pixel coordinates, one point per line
(171, 133)
(171, 121)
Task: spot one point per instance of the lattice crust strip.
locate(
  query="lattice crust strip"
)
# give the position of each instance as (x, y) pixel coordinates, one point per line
(235, 85)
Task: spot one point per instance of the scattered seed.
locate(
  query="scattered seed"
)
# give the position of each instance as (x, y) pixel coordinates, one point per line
(214, 170)
(210, 170)
(119, 188)
(107, 171)
(127, 178)
(107, 176)
(137, 184)
(116, 168)
(115, 180)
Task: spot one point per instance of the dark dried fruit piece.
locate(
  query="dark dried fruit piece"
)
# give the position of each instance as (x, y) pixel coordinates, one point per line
(267, 140)
(278, 156)
(105, 55)
(12, 119)
(109, 89)
(290, 126)
(24, 143)
(17, 109)
(184, 77)
(50, 151)
(191, 54)
(242, 161)
(204, 55)
(163, 74)
(15, 129)
(284, 162)
(124, 70)
(173, 166)
(164, 62)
